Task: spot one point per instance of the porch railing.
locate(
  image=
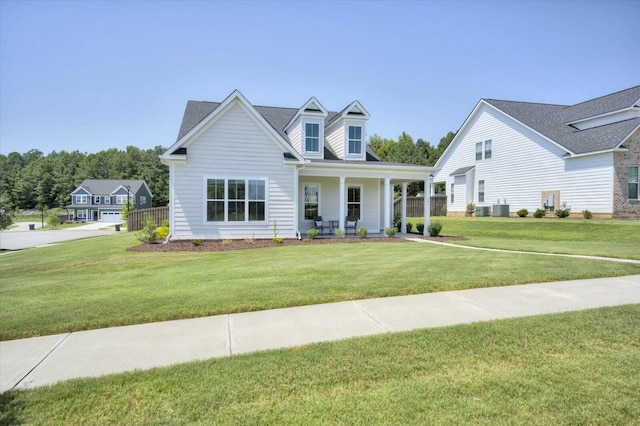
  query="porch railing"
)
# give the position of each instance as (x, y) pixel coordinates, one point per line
(415, 206)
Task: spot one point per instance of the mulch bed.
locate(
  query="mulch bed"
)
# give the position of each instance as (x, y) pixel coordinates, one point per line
(230, 245)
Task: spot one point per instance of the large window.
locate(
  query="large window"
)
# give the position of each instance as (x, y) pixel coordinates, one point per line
(354, 201)
(355, 140)
(236, 200)
(81, 199)
(634, 192)
(481, 191)
(488, 152)
(311, 201)
(312, 137)
(121, 199)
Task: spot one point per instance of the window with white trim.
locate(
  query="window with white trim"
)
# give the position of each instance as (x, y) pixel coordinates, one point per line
(355, 140)
(143, 199)
(96, 199)
(354, 201)
(81, 199)
(121, 199)
(312, 137)
(81, 214)
(481, 191)
(478, 151)
(452, 187)
(107, 200)
(634, 190)
(487, 149)
(311, 201)
(235, 200)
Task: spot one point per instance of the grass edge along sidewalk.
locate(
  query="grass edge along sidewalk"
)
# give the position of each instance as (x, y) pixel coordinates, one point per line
(570, 368)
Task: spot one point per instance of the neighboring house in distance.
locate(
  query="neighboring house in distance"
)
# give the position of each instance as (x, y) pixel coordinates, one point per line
(103, 199)
(238, 170)
(584, 156)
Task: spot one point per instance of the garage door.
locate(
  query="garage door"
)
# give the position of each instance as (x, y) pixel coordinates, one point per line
(110, 216)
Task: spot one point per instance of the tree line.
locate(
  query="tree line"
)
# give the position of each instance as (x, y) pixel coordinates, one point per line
(34, 180)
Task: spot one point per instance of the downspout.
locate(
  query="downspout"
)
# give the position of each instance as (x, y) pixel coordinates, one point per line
(296, 200)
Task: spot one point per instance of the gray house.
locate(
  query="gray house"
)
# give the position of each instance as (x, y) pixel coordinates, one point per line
(103, 199)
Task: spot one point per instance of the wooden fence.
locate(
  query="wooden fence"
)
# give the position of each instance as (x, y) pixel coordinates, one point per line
(415, 206)
(136, 217)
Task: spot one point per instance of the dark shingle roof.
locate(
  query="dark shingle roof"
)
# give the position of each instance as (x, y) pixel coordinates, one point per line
(461, 171)
(551, 120)
(107, 186)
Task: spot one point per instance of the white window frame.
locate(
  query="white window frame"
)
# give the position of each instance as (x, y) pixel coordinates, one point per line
(453, 186)
(481, 191)
(82, 199)
(360, 202)
(81, 214)
(488, 149)
(304, 199)
(320, 152)
(247, 200)
(107, 199)
(120, 200)
(143, 199)
(478, 151)
(96, 199)
(358, 140)
(636, 183)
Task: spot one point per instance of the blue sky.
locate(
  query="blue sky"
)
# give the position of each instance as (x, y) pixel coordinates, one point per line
(88, 76)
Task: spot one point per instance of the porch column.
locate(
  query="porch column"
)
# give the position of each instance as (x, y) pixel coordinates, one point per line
(342, 202)
(427, 205)
(403, 227)
(388, 204)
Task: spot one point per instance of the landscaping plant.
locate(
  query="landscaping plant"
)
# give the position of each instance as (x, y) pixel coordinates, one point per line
(420, 228)
(391, 231)
(523, 212)
(362, 232)
(339, 233)
(434, 228)
(148, 233)
(587, 214)
(312, 233)
(539, 213)
(562, 213)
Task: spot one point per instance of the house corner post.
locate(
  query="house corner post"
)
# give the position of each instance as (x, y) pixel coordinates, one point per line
(388, 205)
(427, 205)
(343, 202)
(404, 208)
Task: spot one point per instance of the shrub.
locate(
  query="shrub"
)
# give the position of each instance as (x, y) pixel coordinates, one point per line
(339, 233)
(523, 212)
(312, 233)
(165, 223)
(362, 232)
(162, 232)
(278, 240)
(587, 214)
(226, 242)
(420, 228)
(434, 228)
(471, 209)
(148, 233)
(443, 212)
(409, 226)
(562, 213)
(539, 213)
(391, 231)
(53, 220)
(196, 242)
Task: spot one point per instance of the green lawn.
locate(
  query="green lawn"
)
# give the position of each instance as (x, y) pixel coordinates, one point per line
(608, 238)
(572, 368)
(97, 283)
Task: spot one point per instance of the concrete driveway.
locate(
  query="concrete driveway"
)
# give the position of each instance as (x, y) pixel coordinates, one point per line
(20, 237)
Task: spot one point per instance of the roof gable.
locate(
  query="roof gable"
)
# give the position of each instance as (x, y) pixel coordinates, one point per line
(108, 186)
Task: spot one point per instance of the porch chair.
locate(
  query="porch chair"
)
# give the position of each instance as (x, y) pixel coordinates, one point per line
(321, 225)
(351, 223)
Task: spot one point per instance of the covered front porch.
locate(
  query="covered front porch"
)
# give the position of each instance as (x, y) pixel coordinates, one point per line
(336, 192)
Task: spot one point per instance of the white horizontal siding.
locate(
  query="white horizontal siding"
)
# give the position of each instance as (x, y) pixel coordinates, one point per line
(524, 164)
(295, 136)
(235, 146)
(336, 137)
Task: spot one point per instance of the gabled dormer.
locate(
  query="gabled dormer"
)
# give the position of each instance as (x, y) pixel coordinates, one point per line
(306, 129)
(607, 118)
(346, 132)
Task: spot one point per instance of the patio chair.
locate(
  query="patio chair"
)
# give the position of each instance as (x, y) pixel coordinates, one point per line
(351, 223)
(321, 225)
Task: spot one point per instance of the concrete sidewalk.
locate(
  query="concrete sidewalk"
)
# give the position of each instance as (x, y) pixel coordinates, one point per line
(38, 361)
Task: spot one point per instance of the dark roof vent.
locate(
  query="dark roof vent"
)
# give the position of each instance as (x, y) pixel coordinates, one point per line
(180, 151)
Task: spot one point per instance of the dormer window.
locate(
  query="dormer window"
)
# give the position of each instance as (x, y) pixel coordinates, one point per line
(355, 140)
(312, 137)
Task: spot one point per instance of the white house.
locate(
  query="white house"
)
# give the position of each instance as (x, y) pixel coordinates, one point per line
(239, 171)
(584, 156)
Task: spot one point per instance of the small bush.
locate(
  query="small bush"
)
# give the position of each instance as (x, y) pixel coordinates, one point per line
(148, 233)
(165, 223)
(562, 213)
(434, 228)
(226, 242)
(523, 212)
(409, 227)
(53, 220)
(339, 233)
(249, 241)
(278, 240)
(362, 232)
(443, 211)
(420, 228)
(539, 213)
(471, 209)
(587, 214)
(312, 233)
(162, 232)
(197, 242)
(391, 231)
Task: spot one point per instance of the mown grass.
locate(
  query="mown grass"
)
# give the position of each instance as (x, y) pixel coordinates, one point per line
(608, 238)
(97, 283)
(571, 368)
